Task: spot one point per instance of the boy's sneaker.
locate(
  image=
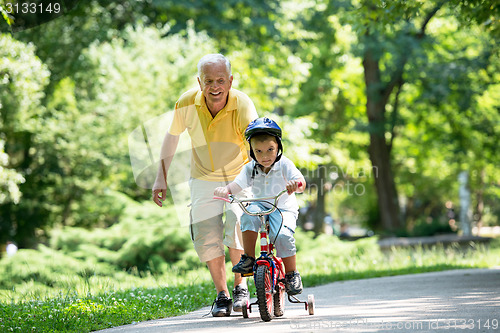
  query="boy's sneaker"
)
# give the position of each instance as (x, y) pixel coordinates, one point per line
(245, 266)
(240, 297)
(222, 305)
(293, 283)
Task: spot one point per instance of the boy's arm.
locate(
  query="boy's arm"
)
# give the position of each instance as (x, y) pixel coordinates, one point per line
(231, 188)
(234, 188)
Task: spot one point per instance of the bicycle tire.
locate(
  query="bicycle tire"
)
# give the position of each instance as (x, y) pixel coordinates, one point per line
(244, 310)
(279, 300)
(310, 303)
(264, 286)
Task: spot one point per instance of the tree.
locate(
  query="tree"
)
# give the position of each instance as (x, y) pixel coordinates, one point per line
(61, 42)
(389, 36)
(21, 93)
(453, 108)
(104, 81)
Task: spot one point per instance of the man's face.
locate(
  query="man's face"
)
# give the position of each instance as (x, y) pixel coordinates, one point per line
(215, 83)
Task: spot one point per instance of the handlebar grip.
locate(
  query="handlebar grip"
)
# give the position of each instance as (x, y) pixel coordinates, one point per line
(223, 199)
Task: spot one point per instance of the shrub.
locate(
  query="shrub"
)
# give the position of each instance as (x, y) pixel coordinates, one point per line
(146, 238)
(44, 266)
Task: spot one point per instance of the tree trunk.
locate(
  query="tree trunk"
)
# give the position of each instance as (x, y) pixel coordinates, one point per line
(480, 202)
(377, 96)
(465, 202)
(379, 150)
(319, 213)
(384, 183)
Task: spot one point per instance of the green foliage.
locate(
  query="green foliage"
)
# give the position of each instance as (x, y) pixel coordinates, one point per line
(456, 64)
(79, 151)
(9, 179)
(114, 66)
(5, 19)
(45, 266)
(427, 227)
(145, 239)
(71, 313)
(125, 85)
(22, 79)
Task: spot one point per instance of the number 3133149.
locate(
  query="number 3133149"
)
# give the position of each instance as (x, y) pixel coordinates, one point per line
(32, 8)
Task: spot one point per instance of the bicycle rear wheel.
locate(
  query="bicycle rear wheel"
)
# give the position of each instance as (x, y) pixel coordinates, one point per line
(264, 286)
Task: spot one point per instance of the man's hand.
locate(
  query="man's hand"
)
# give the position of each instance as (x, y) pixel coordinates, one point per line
(159, 195)
(221, 192)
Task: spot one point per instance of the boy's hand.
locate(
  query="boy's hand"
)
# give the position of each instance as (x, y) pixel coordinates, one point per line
(292, 186)
(221, 192)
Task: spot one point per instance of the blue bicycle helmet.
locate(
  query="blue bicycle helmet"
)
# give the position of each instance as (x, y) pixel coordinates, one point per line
(264, 126)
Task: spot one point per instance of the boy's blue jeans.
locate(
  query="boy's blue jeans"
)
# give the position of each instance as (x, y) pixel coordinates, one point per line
(284, 243)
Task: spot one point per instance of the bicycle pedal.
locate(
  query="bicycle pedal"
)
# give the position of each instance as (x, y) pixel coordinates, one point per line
(247, 274)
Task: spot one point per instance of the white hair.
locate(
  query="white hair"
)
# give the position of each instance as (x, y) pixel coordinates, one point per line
(213, 58)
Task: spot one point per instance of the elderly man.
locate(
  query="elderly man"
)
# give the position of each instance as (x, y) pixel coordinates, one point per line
(216, 116)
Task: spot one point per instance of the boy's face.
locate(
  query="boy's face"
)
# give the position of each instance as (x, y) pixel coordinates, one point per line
(265, 151)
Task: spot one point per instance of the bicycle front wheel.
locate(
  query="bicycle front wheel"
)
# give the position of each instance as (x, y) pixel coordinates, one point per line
(264, 286)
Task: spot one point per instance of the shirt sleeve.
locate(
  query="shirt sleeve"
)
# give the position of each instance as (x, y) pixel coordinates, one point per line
(243, 178)
(178, 122)
(247, 113)
(291, 172)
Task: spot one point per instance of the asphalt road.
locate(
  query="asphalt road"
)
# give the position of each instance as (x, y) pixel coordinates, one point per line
(450, 301)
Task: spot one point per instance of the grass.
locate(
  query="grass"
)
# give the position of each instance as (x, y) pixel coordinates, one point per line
(99, 303)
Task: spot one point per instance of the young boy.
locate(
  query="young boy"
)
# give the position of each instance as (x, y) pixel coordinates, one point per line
(268, 174)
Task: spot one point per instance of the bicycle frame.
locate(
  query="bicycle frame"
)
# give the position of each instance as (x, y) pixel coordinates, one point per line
(267, 256)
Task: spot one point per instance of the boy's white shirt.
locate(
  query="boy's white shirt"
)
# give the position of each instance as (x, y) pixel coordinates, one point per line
(270, 184)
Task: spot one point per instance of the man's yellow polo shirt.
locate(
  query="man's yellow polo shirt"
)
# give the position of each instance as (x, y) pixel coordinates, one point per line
(219, 148)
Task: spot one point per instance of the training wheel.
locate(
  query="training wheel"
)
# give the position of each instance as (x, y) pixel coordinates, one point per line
(310, 304)
(244, 310)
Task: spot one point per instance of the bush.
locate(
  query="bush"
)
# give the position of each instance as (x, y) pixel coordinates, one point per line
(44, 266)
(426, 227)
(145, 239)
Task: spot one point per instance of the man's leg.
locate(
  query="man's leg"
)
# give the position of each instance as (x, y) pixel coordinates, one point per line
(207, 235)
(233, 240)
(217, 268)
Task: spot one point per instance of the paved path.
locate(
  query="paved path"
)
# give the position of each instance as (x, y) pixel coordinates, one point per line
(450, 301)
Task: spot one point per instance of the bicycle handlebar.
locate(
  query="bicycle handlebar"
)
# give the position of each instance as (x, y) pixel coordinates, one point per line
(232, 199)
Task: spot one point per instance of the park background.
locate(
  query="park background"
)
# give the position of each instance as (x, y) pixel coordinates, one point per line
(390, 109)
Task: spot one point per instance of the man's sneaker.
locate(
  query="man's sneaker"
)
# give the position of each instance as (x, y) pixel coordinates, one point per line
(245, 266)
(240, 297)
(222, 305)
(293, 283)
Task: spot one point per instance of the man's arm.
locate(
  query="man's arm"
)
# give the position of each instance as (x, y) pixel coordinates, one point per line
(168, 149)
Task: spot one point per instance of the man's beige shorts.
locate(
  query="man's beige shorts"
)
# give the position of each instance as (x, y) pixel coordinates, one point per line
(208, 231)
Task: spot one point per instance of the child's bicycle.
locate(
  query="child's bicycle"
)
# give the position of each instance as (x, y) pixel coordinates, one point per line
(268, 271)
